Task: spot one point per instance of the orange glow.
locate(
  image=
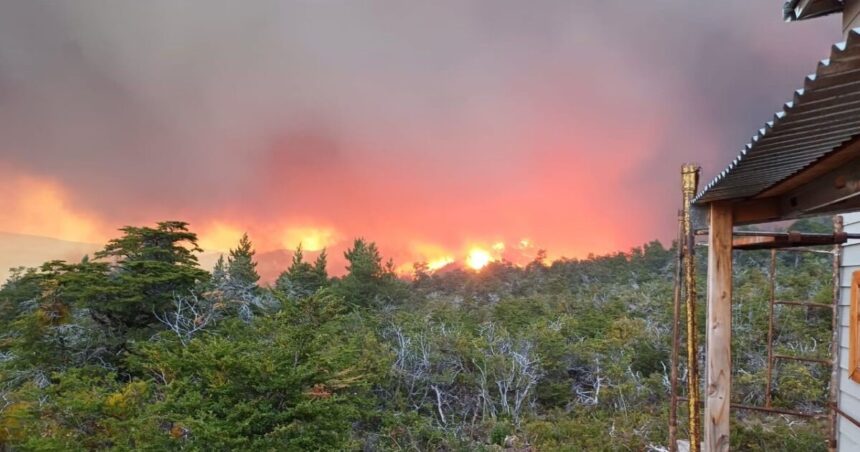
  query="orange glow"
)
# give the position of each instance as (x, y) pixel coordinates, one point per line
(41, 207)
(219, 237)
(506, 157)
(436, 264)
(311, 239)
(478, 258)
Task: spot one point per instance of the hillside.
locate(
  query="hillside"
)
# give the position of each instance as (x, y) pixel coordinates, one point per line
(21, 250)
(567, 355)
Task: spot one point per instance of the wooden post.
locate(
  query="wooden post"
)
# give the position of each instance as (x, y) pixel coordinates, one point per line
(719, 329)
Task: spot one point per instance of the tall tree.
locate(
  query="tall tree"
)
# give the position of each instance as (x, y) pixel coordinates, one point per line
(320, 269)
(241, 267)
(302, 279)
(219, 272)
(365, 263)
(150, 266)
(368, 282)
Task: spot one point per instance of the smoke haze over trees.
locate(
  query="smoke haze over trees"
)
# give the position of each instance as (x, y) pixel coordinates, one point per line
(317, 122)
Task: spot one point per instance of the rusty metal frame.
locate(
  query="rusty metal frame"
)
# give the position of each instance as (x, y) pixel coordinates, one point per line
(685, 262)
(771, 410)
(838, 228)
(833, 361)
(676, 335)
(769, 372)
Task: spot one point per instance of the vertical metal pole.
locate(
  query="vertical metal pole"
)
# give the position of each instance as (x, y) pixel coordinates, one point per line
(690, 174)
(834, 344)
(676, 338)
(769, 372)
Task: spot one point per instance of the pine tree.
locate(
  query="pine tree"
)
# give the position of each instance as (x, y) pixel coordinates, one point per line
(320, 270)
(364, 284)
(149, 266)
(219, 272)
(241, 268)
(302, 279)
(365, 263)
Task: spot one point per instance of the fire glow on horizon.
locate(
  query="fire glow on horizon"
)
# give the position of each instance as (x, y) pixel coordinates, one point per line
(48, 211)
(486, 131)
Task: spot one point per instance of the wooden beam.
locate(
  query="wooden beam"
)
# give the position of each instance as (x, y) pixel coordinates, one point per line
(846, 153)
(835, 187)
(846, 205)
(829, 186)
(719, 329)
(756, 211)
(789, 240)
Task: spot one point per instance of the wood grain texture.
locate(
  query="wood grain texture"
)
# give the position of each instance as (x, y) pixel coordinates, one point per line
(719, 329)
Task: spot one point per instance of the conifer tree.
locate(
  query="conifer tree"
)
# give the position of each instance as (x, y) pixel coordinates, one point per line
(302, 279)
(320, 269)
(148, 267)
(241, 268)
(364, 283)
(219, 272)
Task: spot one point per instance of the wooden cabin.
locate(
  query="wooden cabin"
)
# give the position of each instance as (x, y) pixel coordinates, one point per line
(848, 401)
(805, 162)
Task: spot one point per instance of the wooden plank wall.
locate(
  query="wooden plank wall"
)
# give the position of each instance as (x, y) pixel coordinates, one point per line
(848, 438)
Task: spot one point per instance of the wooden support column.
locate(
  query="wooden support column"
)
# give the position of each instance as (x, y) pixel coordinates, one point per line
(718, 361)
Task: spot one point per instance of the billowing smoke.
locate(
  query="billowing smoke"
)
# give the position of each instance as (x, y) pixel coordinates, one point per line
(422, 125)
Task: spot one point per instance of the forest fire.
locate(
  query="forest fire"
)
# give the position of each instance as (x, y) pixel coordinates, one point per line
(478, 258)
(439, 263)
(310, 238)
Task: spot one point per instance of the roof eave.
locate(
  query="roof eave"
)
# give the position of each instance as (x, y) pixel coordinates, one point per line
(821, 117)
(794, 10)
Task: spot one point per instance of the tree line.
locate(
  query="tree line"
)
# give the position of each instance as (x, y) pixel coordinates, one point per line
(141, 348)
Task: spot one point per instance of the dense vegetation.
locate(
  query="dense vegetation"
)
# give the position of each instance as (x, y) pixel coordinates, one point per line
(140, 348)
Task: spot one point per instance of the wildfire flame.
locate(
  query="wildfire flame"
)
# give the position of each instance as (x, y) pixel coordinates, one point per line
(436, 264)
(311, 239)
(478, 258)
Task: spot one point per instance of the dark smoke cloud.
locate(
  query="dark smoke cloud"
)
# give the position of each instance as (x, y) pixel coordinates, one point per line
(434, 121)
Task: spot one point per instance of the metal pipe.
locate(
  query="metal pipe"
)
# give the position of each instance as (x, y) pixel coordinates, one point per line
(790, 248)
(804, 250)
(845, 415)
(676, 338)
(787, 234)
(802, 304)
(741, 406)
(802, 358)
(838, 228)
(690, 182)
(769, 371)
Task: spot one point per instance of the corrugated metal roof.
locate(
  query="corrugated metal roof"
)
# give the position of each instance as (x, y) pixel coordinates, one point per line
(807, 9)
(822, 116)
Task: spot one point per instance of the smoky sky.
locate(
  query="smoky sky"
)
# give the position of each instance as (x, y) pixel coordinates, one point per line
(439, 122)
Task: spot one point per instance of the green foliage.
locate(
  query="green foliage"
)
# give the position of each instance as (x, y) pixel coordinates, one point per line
(284, 381)
(241, 267)
(151, 265)
(368, 283)
(140, 350)
(758, 433)
(303, 279)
